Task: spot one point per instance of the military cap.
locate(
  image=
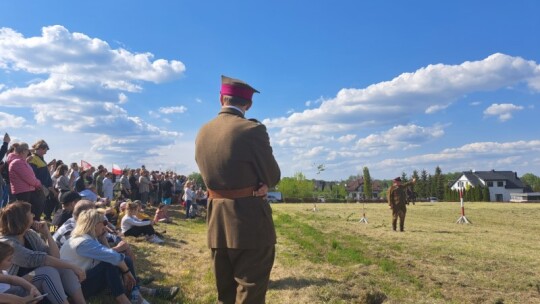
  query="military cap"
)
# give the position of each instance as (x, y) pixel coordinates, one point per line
(397, 179)
(236, 88)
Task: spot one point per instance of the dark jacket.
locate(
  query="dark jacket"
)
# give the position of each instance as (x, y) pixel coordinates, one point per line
(41, 170)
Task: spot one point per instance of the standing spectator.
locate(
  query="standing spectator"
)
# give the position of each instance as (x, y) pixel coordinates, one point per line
(125, 186)
(80, 182)
(134, 185)
(108, 186)
(167, 189)
(144, 187)
(4, 179)
(189, 198)
(99, 181)
(241, 232)
(41, 171)
(24, 184)
(73, 175)
(62, 181)
(51, 275)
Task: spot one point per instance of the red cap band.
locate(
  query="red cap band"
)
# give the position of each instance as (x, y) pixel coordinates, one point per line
(237, 91)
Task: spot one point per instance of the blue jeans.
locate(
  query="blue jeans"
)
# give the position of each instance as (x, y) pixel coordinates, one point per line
(105, 275)
(188, 206)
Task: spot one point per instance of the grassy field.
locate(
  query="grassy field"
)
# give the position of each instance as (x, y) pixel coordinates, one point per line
(329, 257)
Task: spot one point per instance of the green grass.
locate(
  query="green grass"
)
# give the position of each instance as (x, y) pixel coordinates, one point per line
(329, 257)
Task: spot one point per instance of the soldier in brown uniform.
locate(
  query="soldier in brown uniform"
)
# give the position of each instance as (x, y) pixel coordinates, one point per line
(397, 200)
(237, 165)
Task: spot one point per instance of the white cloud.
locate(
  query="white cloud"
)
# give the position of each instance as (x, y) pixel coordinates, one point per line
(122, 98)
(11, 121)
(395, 101)
(401, 137)
(172, 110)
(436, 108)
(198, 100)
(80, 84)
(475, 103)
(504, 111)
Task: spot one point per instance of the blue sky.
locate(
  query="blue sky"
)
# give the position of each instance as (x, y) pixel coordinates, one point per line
(391, 85)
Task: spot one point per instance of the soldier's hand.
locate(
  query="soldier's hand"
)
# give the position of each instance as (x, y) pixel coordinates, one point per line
(262, 191)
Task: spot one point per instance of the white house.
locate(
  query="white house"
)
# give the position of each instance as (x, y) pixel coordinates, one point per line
(500, 183)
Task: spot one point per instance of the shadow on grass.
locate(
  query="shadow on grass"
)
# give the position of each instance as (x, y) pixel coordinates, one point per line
(296, 283)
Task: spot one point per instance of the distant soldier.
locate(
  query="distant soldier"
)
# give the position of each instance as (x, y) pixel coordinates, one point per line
(397, 200)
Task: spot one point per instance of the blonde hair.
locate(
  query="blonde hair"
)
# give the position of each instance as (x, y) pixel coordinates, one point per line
(86, 223)
(132, 206)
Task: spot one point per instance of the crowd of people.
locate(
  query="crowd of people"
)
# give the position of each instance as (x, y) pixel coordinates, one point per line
(63, 227)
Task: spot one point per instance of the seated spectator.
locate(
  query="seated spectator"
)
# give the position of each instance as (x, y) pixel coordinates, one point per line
(63, 233)
(90, 193)
(104, 267)
(133, 226)
(36, 260)
(24, 184)
(123, 206)
(162, 215)
(68, 199)
(13, 289)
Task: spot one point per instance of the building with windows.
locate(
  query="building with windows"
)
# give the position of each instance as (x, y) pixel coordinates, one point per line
(500, 183)
(355, 189)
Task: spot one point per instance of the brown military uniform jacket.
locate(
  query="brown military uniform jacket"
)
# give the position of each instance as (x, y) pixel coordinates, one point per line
(397, 196)
(234, 153)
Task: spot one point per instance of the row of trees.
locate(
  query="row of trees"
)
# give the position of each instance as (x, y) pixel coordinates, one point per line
(427, 185)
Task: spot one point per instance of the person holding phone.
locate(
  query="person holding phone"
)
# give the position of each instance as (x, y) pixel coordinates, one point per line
(37, 260)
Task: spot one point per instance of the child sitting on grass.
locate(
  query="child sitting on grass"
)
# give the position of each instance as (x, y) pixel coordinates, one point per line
(133, 226)
(13, 289)
(162, 214)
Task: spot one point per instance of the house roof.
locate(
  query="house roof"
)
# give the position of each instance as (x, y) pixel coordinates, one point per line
(356, 184)
(512, 181)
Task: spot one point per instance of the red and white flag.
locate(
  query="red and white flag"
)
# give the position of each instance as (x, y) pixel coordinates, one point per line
(116, 170)
(85, 165)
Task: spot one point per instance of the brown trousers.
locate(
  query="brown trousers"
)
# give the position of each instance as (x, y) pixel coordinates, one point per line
(399, 212)
(242, 275)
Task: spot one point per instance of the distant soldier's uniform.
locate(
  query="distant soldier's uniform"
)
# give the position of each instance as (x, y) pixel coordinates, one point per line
(234, 157)
(397, 200)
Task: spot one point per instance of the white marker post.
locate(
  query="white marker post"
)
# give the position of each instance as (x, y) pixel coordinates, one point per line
(364, 218)
(462, 219)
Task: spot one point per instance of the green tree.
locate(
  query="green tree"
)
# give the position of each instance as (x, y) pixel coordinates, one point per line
(197, 178)
(368, 191)
(404, 178)
(440, 183)
(532, 181)
(422, 186)
(296, 187)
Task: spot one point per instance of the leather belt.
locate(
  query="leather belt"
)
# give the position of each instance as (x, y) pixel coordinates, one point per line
(233, 194)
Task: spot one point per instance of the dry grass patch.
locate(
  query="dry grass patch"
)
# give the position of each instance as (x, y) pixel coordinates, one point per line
(329, 257)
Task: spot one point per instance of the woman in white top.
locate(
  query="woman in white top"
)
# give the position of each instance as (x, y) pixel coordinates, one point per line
(132, 226)
(104, 267)
(189, 198)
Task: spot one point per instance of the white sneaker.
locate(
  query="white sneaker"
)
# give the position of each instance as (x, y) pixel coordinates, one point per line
(156, 240)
